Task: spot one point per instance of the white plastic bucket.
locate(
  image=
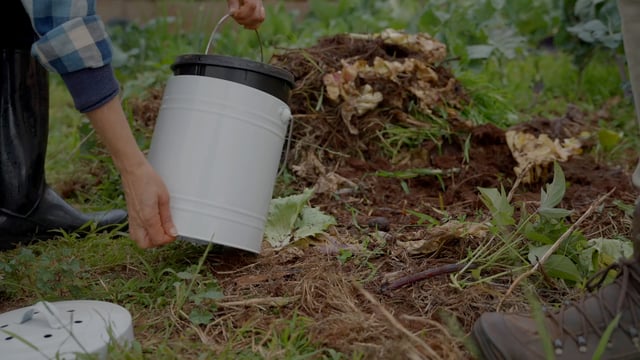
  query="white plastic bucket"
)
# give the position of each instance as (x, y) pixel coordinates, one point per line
(217, 145)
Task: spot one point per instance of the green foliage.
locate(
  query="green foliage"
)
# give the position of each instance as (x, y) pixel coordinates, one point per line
(599, 26)
(48, 275)
(600, 252)
(525, 239)
(552, 195)
(556, 266)
(589, 25)
(291, 219)
(143, 53)
(499, 206)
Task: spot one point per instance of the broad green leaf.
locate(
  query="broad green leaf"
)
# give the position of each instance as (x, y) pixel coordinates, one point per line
(118, 57)
(185, 275)
(283, 214)
(608, 139)
(479, 51)
(558, 266)
(443, 16)
(200, 317)
(562, 267)
(536, 253)
(586, 9)
(430, 18)
(554, 213)
(590, 31)
(588, 259)
(555, 190)
(601, 252)
(507, 41)
(211, 294)
(532, 234)
(497, 202)
(291, 219)
(312, 222)
(612, 41)
(498, 4)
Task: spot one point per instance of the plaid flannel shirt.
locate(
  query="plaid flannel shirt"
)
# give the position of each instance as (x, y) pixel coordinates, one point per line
(73, 42)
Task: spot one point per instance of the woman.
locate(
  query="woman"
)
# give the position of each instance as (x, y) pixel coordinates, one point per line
(68, 38)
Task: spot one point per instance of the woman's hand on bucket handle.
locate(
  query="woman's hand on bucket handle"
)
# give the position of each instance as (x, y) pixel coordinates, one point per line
(150, 223)
(248, 13)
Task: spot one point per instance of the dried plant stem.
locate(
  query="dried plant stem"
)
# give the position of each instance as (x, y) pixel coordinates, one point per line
(396, 324)
(555, 246)
(517, 182)
(268, 301)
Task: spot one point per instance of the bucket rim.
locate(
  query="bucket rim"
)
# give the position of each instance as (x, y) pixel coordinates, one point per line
(234, 63)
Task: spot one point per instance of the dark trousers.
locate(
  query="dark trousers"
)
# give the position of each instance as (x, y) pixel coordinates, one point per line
(16, 31)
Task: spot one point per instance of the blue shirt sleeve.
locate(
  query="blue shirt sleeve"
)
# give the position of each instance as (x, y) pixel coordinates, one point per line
(73, 42)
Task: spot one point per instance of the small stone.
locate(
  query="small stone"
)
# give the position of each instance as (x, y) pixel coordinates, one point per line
(379, 222)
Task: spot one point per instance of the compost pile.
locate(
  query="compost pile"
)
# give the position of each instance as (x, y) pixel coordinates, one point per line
(350, 90)
(350, 86)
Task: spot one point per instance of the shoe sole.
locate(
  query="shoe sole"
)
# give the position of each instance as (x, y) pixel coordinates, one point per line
(487, 350)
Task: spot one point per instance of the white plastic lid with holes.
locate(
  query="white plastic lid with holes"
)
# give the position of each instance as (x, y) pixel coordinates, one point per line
(63, 329)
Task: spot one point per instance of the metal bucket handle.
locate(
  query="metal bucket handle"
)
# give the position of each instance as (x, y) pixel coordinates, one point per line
(206, 51)
(215, 30)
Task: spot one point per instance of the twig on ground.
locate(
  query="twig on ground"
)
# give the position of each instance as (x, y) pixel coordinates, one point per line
(268, 301)
(396, 324)
(422, 275)
(555, 246)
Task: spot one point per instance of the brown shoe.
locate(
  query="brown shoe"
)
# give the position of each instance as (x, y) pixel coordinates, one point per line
(576, 329)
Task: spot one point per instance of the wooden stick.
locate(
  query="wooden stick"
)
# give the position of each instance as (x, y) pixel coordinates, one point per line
(422, 275)
(554, 247)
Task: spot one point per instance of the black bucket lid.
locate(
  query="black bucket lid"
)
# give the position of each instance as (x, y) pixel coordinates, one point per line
(273, 80)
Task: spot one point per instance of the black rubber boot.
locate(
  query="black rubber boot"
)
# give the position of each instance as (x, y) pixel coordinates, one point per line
(29, 209)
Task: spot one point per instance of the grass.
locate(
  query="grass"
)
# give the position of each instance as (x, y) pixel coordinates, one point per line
(171, 297)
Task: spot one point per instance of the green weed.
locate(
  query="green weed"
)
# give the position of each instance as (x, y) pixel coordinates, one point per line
(521, 240)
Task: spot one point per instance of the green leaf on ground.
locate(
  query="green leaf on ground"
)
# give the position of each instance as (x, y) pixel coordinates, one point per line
(555, 190)
(291, 219)
(609, 139)
(498, 203)
(603, 252)
(200, 317)
(558, 266)
(312, 221)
